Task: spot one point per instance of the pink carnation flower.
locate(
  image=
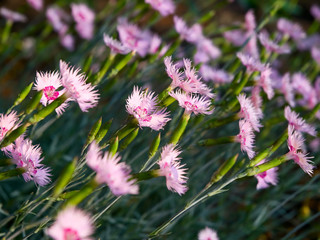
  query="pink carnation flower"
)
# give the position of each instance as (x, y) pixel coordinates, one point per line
(249, 112)
(173, 72)
(192, 103)
(27, 156)
(58, 19)
(143, 106)
(267, 178)
(72, 223)
(272, 46)
(250, 62)
(246, 138)
(218, 76)
(76, 87)
(291, 29)
(36, 4)
(8, 122)
(266, 83)
(250, 21)
(315, 11)
(298, 123)
(257, 100)
(164, 7)
(12, 16)
(84, 18)
(170, 168)
(236, 37)
(296, 151)
(181, 27)
(206, 50)
(207, 234)
(287, 89)
(111, 171)
(302, 85)
(115, 46)
(155, 44)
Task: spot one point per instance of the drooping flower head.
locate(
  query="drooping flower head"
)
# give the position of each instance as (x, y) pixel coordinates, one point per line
(72, 224)
(171, 168)
(76, 87)
(298, 123)
(267, 178)
(165, 7)
(111, 171)
(246, 138)
(252, 64)
(291, 29)
(7, 122)
(12, 16)
(143, 106)
(115, 46)
(84, 18)
(36, 4)
(193, 103)
(27, 156)
(208, 234)
(272, 46)
(249, 112)
(296, 151)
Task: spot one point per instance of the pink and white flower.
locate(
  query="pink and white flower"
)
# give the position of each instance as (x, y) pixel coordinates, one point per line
(164, 7)
(298, 123)
(170, 168)
(302, 85)
(76, 87)
(143, 106)
(181, 27)
(267, 178)
(58, 18)
(155, 44)
(287, 89)
(249, 112)
(84, 18)
(12, 16)
(217, 76)
(266, 83)
(111, 171)
(272, 46)
(72, 223)
(173, 72)
(67, 41)
(252, 64)
(8, 122)
(290, 29)
(208, 234)
(193, 103)
(246, 138)
(115, 46)
(296, 151)
(36, 4)
(237, 37)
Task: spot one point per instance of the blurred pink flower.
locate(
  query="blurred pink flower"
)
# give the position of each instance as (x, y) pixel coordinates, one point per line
(36, 4)
(302, 85)
(58, 18)
(236, 37)
(192, 103)
(115, 46)
(298, 123)
(76, 87)
(206, 50)
(253, 64)
(170, 168)
(291, 29)
(249, 112)
(84, 18)
(267, 178)
(257, 100)
(266, 83)
(72, 223)
(315, 53)
(287, 89)
(165, 7)
(272, 46)
(12, 16)
(111, 171)
(296, 151)
(309, 42)
(143, 106)
(246, 138)
(67, 41)
(218, 76)
(173, 72)
(181, 27)
(315, 11)
(207, 234)
(155, 44)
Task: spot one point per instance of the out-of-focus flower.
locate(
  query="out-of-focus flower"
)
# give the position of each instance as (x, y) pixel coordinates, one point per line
(8, 122)
(236, 37)
(272, 46)
(155, 44)
(302, 85)
(133, 37)
(207, 234)
(315, 53)
(115, 46)
(266, 83)
(164, 7)
(250, 62)
(76, 87)
(296, 151)
(218, 76)
(249, 112)
(246, 138)
(67, 41)
(12, 16)
(27, 156)
(36, 4)
(251, 47)
(287, 89)
(58, 19)
(206, 50)
(298, 123)
(309, 42)
(267, 178)
(143, 106)
(170, 168)
(111, 171)
(192, 103)
(181, 27)
(250, 21)
(84, 18)
(315, 11)
(257, 100)
(72, 223)
(291, 29)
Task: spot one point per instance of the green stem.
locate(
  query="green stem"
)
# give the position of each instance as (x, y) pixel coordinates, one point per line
(217, 141)
(104, 69)
(176, 135)
(6, 31)
(142, 176)
(11, 173)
